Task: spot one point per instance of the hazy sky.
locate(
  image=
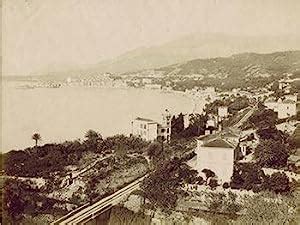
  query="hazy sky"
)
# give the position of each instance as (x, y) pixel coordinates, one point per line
(41, 34)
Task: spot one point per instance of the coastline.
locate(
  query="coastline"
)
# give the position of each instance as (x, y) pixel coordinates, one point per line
(120, 101)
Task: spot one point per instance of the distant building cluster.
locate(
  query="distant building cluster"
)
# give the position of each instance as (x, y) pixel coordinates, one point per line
(284, 107)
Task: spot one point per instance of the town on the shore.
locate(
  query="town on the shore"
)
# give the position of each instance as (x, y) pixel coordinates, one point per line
(234, 161)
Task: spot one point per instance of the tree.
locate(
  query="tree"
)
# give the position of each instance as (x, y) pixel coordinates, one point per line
(155, 152)
(93, 138)
(19, 197)
(177, 125)
(275, 86)
(247, 176)
(213, 183)
(36, 137)
(278, 182)
(163, 186)
(122, 144)
(236, 180)
(225, 185)
(92, 135)
(196, 127)
(263, 118)
(208, 173)
(296, 135)
(270, 153)
(238, 104)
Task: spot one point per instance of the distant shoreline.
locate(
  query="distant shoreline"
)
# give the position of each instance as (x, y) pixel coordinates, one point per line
(25, 127)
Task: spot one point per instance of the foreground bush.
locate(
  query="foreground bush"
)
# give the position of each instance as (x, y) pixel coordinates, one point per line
(262, 210)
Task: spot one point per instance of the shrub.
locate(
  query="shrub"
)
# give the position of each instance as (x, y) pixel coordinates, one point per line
(270, 153)
(208, 173)
(200, 180)
(260, 210)
(163, 186)
(278, 182)
(225, 185)
(213, 183)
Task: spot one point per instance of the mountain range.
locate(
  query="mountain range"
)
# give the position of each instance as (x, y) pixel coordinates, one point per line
(239, 70)
(187, 48)
(252, 65)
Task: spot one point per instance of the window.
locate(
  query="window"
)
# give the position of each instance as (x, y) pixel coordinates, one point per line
(145, 127)
(168, 130)
(162, 130)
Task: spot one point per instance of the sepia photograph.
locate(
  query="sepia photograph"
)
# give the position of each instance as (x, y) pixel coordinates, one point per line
(150, 112)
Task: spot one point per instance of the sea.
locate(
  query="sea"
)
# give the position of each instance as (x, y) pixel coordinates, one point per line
(66, 113)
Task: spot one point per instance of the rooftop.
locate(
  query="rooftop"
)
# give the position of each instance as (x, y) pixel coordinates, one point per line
(288, 101)
(218, 143)
(270, 100)
(145, 120)
(226, 133)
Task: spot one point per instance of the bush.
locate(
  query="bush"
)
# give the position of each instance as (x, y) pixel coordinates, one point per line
(19, 197)
(123, 144)
(278, 183)
(247, 176)
(41, 161)
(200, 180)
(261, 119)
(225, 185)
(208, 173)
(270, 153)
(213, 183)
(163, 186)
(260, 210)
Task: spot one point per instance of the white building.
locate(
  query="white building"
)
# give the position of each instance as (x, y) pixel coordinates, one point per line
(146, 81)
(144, 128)
(211, 121)
(271, 103)
(285, 108)
(222, 112)
(150, 130)
(209, 93)
(216, 155)
(291, 97)
(152, 86)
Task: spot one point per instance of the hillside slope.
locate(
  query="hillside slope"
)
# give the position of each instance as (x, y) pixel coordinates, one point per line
(246, 64)
(186, 48)
(193, 47)
(241, 70)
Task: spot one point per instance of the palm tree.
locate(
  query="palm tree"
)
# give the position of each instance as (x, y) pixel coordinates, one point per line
(92, 135)
(37, 137)
(93, 139)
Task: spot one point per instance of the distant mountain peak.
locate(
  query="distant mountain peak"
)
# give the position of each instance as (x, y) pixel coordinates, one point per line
(191, 47)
